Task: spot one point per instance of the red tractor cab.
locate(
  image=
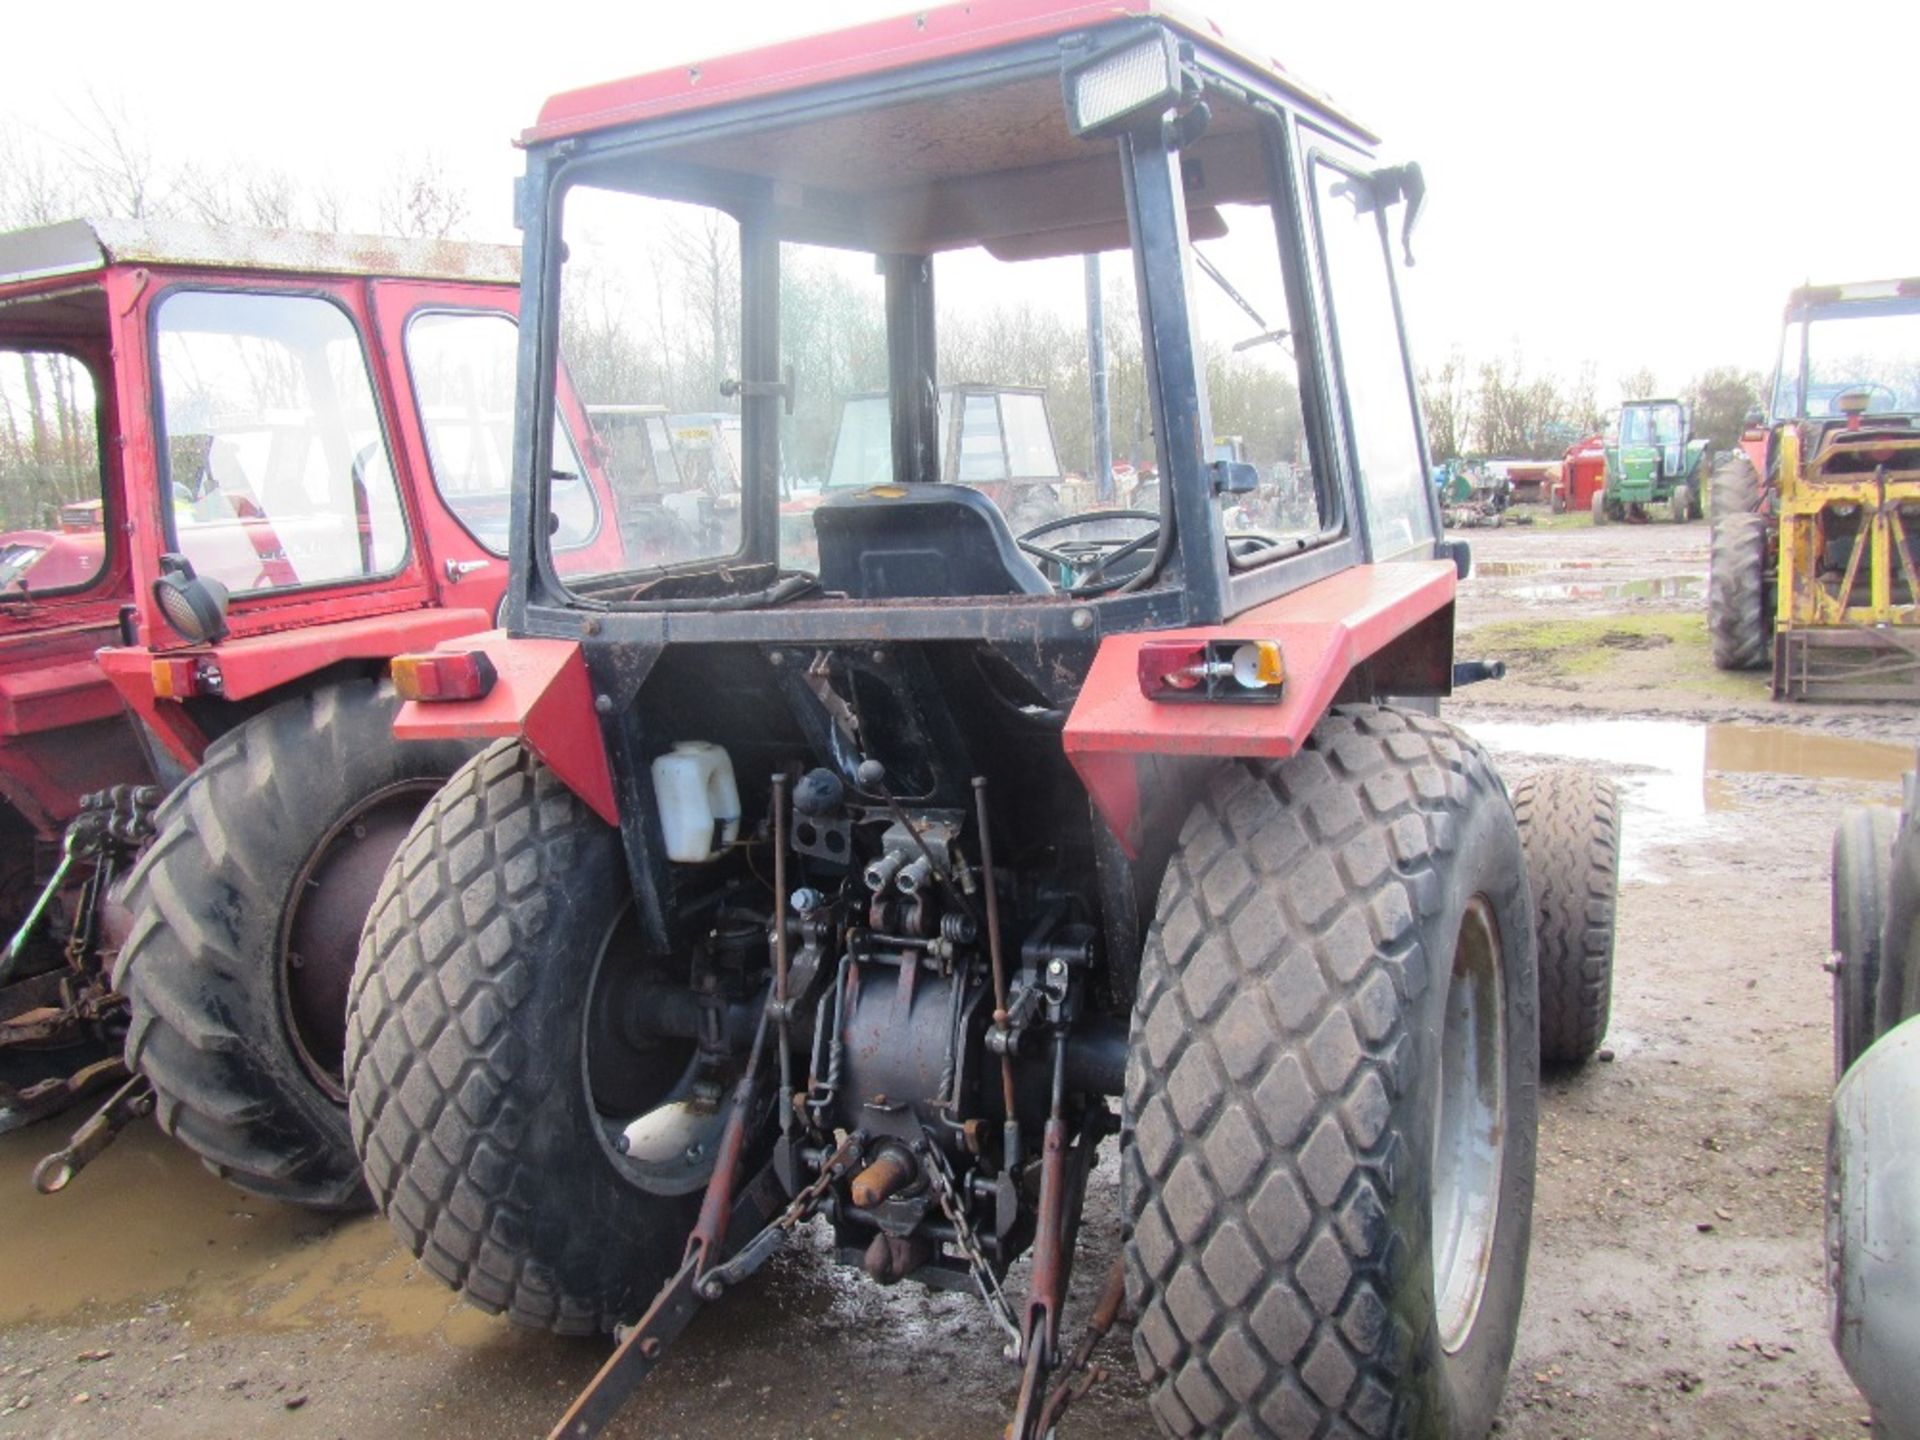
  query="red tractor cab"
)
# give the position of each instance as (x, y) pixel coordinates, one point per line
(246, 469)
(860, 879)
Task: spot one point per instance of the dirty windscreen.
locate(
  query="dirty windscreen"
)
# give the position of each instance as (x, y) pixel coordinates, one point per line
(650, 312)
(1873, 346)
(277, 463)
(462, 364)
(52, 529)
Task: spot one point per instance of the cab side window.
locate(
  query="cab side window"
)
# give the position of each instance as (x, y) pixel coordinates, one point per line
(275, 457)
(462, 363)
(1373, 362)
(53, 533)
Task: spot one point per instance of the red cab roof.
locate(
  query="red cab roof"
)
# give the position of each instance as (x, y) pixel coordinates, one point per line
(926, 35)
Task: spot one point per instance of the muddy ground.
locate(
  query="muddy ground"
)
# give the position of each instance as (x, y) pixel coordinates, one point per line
(1675, 1285)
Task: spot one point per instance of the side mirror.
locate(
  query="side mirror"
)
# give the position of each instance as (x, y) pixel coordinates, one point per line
(1234, 477)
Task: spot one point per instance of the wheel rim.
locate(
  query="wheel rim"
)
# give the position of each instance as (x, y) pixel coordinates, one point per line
(320, 935)
(1469, 1147)
(627, 1078)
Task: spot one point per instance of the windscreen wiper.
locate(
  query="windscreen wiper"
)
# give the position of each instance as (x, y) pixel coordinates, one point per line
(1266, 336)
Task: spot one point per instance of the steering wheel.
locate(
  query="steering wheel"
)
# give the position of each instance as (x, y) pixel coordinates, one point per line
(1893, 396)
(1085, 556)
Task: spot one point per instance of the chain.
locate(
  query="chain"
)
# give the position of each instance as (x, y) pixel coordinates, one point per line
(809, 1197)
(946, 1192)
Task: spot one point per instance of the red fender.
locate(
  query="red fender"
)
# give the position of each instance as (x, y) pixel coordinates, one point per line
(544, 696)
(1115, 736)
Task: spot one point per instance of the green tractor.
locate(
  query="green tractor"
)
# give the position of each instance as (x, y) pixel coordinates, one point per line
(1652, 459)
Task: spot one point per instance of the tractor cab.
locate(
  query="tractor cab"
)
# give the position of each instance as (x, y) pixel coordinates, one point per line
(850, 862)
(1653, 438)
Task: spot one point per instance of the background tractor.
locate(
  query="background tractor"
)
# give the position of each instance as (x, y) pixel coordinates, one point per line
(1652, 459)
(857, 884)
(1813, 567)
(253, 467)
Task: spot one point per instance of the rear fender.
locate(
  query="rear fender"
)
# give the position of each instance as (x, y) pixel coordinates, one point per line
(544, 697)
(1374, 630)
(258, 665)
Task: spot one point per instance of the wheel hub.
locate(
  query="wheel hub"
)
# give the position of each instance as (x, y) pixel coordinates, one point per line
(320, 937)
(1469, 1145)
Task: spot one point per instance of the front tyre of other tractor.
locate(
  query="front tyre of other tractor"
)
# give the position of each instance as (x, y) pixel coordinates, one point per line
(487, 1078)
(1863, 846)
(1737, 619)
(1570, 829)
(1599, 507)
(1680, 504)
(245, 920)
(1332, 1094)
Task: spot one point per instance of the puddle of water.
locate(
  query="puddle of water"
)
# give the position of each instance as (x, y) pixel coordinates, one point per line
(1497, 569)
(147, 1220)
(1674, 775)
(1662, 587)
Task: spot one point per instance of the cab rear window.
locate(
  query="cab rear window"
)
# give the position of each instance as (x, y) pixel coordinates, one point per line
(277, 465)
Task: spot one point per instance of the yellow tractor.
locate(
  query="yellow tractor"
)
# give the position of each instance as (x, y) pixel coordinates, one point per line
(1813, 568)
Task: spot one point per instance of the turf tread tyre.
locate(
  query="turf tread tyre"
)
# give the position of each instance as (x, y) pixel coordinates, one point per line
(1276, 1054)
(199, 963)
(464, 1097)
(1570, 830)
(1737, 620)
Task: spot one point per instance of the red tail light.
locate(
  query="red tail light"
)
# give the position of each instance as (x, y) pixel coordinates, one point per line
(1228, 670)
(444, 675)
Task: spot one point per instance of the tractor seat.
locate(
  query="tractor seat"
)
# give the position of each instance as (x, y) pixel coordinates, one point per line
(923, 541)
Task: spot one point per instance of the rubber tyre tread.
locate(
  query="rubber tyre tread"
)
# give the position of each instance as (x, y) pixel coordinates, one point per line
(1275, 1163)
(206, 901)
(1598, 507)
(1737, 622)
(1570, 830)
(465, 1056)
(1862, 875)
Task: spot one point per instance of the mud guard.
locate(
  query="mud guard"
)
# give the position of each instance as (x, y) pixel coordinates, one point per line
(544, 697)
(1372, 630)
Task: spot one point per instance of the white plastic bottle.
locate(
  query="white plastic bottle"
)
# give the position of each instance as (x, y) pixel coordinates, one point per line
(699, 802)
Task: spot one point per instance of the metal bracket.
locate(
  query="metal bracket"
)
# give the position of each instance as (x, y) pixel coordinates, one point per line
(782, 388)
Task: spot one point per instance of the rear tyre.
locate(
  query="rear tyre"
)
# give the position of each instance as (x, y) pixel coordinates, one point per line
(244, 913)
(485, 1124)
(1570, 829)
(1736, 593)
(1327, 1170)
(1862, 873)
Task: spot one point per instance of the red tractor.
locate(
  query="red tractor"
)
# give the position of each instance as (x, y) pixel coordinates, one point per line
(861, 889)
(254, 468)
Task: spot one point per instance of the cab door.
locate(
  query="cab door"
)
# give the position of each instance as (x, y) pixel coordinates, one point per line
(1377, 410)
(275, 464)
(454, 352)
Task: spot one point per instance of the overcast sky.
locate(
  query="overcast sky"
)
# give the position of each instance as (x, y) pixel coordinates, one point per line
(1629, 184)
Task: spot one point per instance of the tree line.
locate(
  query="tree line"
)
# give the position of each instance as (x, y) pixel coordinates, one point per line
(1507, 407)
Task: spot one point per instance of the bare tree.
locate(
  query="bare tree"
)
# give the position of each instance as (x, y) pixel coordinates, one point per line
(1446, 395)
(1640, 384)
(421, 202)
